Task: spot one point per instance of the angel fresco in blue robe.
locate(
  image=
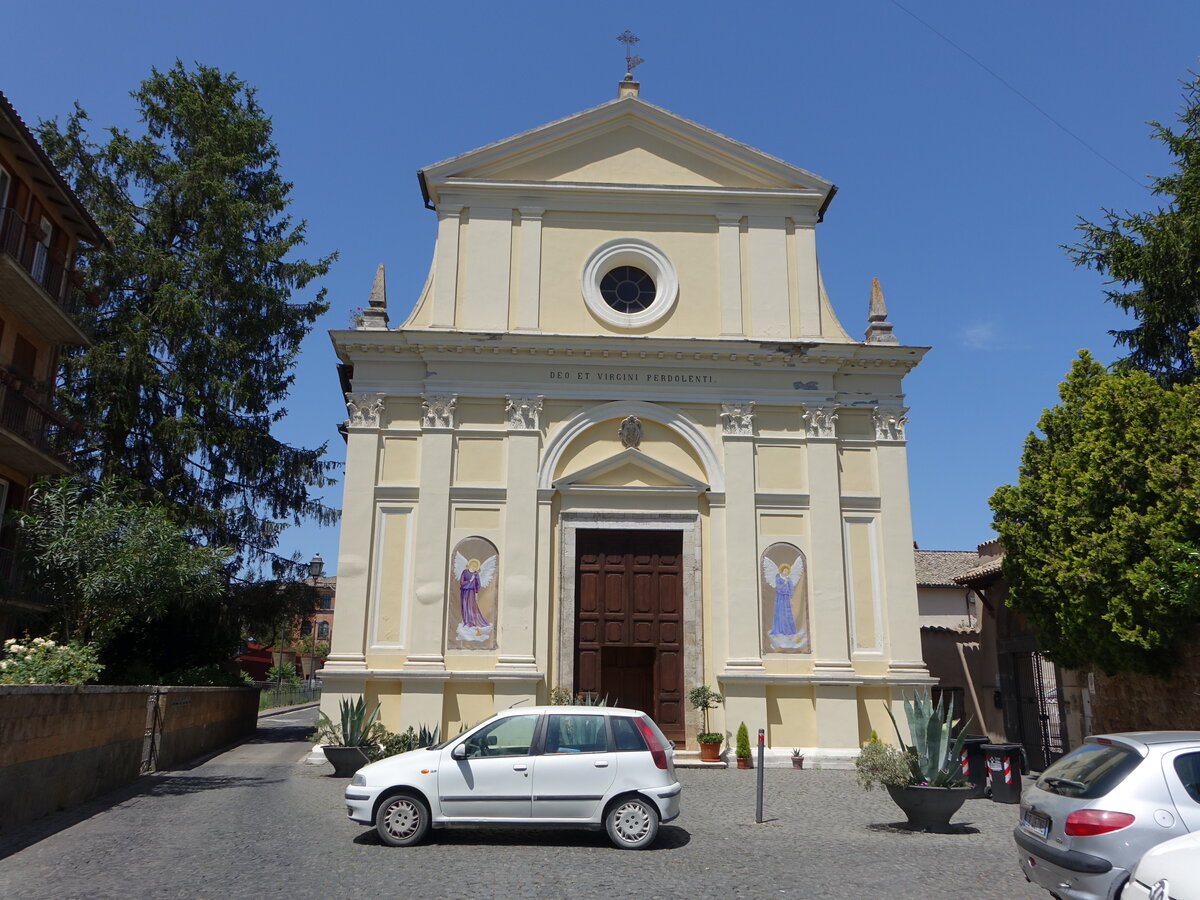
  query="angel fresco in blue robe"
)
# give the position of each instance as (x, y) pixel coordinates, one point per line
(783, 578)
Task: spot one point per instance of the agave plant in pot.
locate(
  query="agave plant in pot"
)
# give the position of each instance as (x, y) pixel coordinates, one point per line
(924, 779)
(347, 745)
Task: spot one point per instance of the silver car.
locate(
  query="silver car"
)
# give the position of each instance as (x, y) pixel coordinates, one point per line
(580, 767)
(1091, 815)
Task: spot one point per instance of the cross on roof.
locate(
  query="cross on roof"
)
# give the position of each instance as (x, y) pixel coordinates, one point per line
(628, 38)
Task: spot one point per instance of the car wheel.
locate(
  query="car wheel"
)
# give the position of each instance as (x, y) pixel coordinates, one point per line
(632, 823)
(402, 820)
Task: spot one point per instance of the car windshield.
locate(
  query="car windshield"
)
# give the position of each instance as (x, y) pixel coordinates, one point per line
(449, 740)
(1089, 771)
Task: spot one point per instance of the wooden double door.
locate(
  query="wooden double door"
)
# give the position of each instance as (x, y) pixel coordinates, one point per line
(629, 622)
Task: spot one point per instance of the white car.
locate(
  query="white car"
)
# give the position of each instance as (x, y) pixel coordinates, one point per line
(1170, 871)
(579, 766)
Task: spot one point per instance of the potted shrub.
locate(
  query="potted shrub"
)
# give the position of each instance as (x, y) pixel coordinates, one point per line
(705, 698)
(798, 758)
(925, 780)
(348, 745)
(743, 747)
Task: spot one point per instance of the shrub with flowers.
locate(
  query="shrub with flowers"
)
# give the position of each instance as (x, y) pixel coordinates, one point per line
(43, 661)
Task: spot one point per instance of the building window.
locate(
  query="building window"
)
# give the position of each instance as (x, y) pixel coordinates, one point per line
(325, 602)
(627, 289)
(629, 283)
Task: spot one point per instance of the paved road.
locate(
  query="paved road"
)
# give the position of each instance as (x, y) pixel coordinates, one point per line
(252, 822)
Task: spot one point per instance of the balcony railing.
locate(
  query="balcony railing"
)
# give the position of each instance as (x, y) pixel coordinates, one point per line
(25, 413)
(24, 242)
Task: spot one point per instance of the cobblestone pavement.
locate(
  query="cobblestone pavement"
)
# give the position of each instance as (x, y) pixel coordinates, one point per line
(252, 822)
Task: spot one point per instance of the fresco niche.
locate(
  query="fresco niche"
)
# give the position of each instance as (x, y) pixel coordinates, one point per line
(784, 592)
(471, 618)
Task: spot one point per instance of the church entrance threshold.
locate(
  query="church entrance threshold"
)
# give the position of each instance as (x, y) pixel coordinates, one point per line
(629, 622)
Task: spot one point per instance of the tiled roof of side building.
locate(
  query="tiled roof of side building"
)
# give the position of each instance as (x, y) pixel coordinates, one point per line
(939, 568)
(981, 574)
(14, 128)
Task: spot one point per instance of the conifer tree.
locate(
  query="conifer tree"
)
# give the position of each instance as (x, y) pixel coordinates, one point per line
(1153, 257)
(199, 321)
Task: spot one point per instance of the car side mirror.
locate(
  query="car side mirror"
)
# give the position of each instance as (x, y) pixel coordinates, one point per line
(459, 752)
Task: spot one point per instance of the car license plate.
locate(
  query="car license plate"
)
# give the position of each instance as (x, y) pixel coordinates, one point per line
(1035, 822)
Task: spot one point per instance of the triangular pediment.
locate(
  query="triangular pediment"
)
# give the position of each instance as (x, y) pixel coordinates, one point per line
(630, 470)
(626, 141)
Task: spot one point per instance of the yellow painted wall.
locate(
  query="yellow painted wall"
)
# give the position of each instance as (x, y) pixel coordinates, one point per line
(781, 467)
(858, 470)
(479, 460)
(624, 155)
(476, 518)
(872, 714)
(568, 239)
(400, 458)
(465, 704)
(791, 716)
(393, 574)
(859, 534)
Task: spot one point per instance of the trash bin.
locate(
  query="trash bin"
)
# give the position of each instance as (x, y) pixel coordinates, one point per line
(974, 766)
(1004, 768)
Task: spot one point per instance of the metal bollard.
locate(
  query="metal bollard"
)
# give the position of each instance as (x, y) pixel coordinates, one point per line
(758, 811)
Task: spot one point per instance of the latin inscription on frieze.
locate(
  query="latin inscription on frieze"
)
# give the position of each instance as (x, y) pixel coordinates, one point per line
(598, 377)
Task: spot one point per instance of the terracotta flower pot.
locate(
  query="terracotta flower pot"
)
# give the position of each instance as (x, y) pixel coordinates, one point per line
(797, 762)
(744, 762)
(710, 751)
(929, 808)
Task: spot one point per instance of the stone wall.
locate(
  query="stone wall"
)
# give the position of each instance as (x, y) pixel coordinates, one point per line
(63, 745)
(1142, 703)
(198, 720)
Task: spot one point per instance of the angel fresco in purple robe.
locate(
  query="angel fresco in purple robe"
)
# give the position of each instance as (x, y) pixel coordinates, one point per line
(473, 576)
(783, 578)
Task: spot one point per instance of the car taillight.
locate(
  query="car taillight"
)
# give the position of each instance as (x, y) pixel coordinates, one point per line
(1084, 822)
(657, 751)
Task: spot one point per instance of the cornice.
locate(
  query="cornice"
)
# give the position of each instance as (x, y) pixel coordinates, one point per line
(446, 344)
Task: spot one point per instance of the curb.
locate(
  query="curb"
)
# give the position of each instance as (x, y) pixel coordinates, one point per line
(280, 710)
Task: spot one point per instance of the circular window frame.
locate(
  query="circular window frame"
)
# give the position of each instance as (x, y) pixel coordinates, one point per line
(642, 255)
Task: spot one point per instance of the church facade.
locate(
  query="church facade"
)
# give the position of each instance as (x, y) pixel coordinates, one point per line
(622, 447)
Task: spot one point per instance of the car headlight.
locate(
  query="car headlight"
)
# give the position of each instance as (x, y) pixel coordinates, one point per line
(359, 779)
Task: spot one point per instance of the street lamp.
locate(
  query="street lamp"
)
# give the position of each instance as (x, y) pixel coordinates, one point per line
(316, 566)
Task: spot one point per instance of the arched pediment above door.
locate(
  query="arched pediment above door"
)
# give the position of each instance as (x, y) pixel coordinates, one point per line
(683, 431)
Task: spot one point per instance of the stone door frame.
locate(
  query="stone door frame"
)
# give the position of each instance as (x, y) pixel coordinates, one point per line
(688, 524)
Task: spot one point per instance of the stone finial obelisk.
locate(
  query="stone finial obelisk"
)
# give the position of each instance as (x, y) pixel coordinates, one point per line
(879, 329)
(374, 315)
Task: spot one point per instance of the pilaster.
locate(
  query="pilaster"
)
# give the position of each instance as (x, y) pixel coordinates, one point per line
(529, 272)
(895, 513)
(348, 643)
(445, 277)
(741, 543)
(830, 625)
(808, 293)
(433, 534)
(730, 265)
(518, 612)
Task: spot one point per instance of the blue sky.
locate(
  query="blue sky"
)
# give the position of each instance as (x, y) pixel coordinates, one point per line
(953, 190)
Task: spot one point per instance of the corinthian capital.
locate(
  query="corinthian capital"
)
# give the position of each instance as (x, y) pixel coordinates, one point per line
(889, 423)
(737, 418)
(820, 421)
(364, 410)
(524, 413)
(437, 410)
